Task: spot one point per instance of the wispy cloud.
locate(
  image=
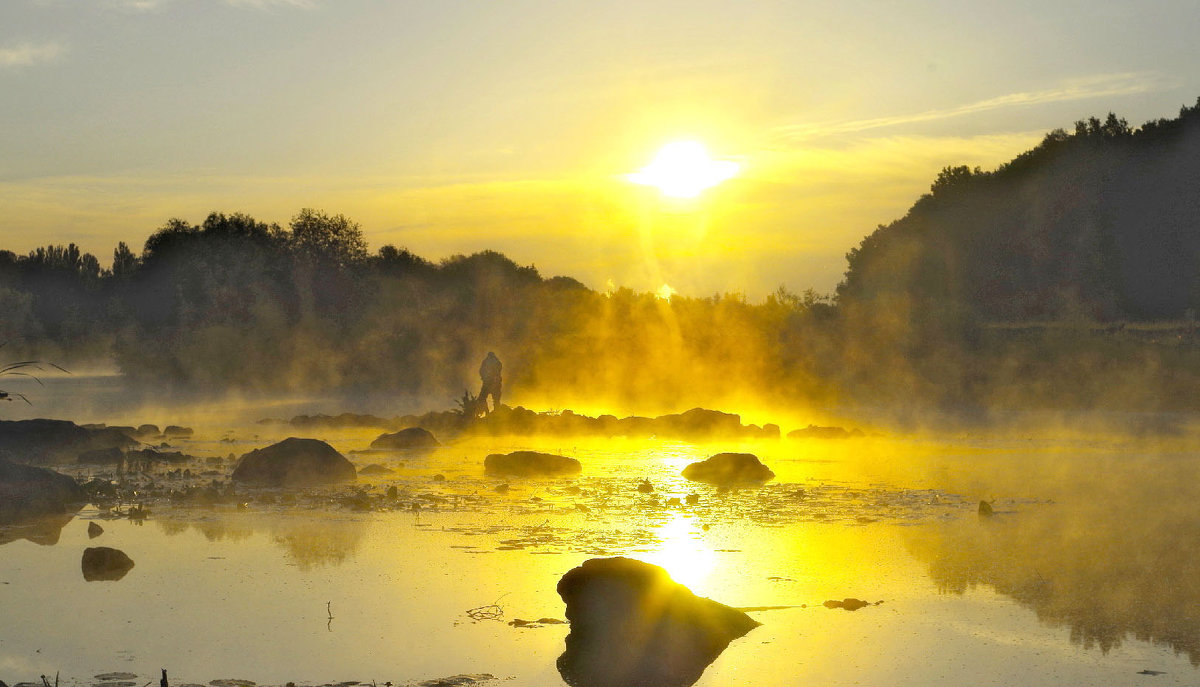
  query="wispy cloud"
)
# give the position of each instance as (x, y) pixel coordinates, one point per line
(1099, 86)
(25, 54)
(268, 4)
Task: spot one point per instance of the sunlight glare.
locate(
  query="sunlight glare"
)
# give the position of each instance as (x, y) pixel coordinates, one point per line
(688, 560)
(683, 169)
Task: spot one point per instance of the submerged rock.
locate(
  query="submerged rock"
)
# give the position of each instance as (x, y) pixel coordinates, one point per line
(30, 492)
(294, 462)
(102, 564)
(848, 604)
(729, 469)
(530, 464)
(631, 624)
(411, 438)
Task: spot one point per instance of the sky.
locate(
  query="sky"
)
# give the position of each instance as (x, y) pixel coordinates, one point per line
(454, 126)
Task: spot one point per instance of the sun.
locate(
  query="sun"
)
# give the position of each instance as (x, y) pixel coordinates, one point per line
(683, 169)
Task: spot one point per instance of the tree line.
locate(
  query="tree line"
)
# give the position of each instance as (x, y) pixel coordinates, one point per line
(1095, 226)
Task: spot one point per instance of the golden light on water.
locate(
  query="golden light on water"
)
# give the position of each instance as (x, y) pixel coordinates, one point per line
(683, 169)
(683, 554)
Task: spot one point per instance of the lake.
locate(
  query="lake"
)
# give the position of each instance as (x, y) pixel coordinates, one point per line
(1087, 573)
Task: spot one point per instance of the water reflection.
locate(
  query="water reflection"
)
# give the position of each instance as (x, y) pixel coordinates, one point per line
(311, 540)
(44, 531)
(682, 551)
(1106, 570)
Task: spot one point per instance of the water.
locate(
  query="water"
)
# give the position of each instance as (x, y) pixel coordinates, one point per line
(1087, 574)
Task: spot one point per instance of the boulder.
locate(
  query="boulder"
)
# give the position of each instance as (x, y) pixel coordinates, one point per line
(729, 469)
(94, 530)
(177, 432)
(45, 441)
(102, 564)
(294, 462)
(29, 492)
(375, 469)
(530, 464)
(631, 624)
(416, 438)
(699, 423)
(148, 431)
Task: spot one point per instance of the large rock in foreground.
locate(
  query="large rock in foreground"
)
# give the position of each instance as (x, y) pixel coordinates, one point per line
(729, 469)
(102, 564)
(530, 464)
(29, 492)
(631, 624)
(294, 463)
(412, 438)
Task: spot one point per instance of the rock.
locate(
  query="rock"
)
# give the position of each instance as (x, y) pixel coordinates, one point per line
(148, 431)
(985, 510)
(102, 564)
(149, 456)
(631, 624)
(815, 432)
(375, 469)
(645, 487)
(850, 604)
(177, 432)
(94, 530)
(530, 464)
(699, 423)
(102, 456)
(29, 492)
(729, 469)
(413, 438)
(294, 462)
(46, 441)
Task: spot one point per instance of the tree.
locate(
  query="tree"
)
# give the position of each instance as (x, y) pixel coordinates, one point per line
(124, 262)
(326, 238)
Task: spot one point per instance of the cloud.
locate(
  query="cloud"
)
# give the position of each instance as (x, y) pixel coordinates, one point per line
(26, 54)
(268, 4)
(1099, 86)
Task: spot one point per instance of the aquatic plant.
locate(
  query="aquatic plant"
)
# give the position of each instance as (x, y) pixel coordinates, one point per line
(21, 369)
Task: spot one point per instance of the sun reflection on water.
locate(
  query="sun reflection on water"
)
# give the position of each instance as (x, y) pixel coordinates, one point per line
(683, 552)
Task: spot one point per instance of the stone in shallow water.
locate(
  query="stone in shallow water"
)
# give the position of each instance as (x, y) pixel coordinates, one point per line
(294, 462)
(530, 464)
(411, 438)
(729, 469)
(631, 624)
(103, 564)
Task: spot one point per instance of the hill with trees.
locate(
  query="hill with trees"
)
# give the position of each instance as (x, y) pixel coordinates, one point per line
(1100, 223)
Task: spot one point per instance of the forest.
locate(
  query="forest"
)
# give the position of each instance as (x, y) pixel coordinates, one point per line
(1067, 277)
